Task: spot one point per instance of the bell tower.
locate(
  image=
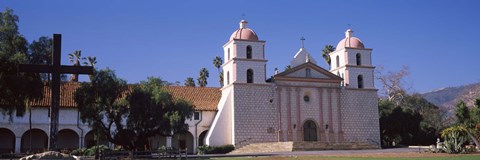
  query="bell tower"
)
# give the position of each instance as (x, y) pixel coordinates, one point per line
(244, 56)
(353, 62)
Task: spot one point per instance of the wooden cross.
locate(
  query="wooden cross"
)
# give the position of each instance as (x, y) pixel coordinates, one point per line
(56, 69)
(302, 39)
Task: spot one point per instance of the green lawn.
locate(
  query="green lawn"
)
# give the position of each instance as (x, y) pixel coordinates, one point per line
(462, 157)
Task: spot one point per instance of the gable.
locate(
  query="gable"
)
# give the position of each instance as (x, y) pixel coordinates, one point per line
(316, 72)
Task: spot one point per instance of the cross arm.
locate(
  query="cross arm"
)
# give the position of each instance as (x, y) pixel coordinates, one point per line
(76, 69)
(36, 68)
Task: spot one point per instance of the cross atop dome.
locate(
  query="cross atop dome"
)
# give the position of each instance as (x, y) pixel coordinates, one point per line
(350, 41)
(244, 33)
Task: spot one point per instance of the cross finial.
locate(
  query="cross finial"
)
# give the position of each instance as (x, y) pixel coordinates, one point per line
(243, 16)
(349, 26)
(303, 39)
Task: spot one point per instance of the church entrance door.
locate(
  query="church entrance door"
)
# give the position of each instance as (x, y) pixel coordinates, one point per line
(309, 131)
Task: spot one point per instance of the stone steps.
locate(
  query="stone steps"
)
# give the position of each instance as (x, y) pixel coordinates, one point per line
(301, 146)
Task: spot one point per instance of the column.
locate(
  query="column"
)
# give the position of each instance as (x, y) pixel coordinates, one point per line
(169, 141)
(278, 95)
(331, 136)
(339, 115)
(321, 130)
(18, 141)
(299, 123)
(289, 115)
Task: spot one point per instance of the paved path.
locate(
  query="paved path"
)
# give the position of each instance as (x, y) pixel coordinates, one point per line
(324, 152)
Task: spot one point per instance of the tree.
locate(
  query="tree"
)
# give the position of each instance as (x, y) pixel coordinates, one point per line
(392, 83)
(202, 78)
(129, 117)
(217, 62)
(17, 89)
(75, 59)
(325, 53)
(91, 61)
(469, 119)
(462, 113)
(41, 53)
(189, 82)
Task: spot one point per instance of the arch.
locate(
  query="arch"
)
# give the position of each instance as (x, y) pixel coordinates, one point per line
(249, 52)
(201, 138)
(228, 77)
(90, 139)
(309, 131)
(308, 72)
(359, 59)
(360, 81)
(7, 141)
(228, 55)
(338, 61)
(34, 140)
(249, 76)
(183, 140)
(157, 141)
(67, 139)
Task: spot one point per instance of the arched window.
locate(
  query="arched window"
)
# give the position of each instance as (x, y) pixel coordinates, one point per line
(359, 59)
(308, 73)
(228, 54)
(249, 76)
(228, 78)
(360, 81)
(338, 61)
(249, 52)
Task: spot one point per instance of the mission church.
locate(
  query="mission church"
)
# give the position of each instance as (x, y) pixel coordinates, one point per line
(304, 106)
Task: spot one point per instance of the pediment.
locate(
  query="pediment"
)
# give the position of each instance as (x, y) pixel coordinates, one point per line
(300, 72)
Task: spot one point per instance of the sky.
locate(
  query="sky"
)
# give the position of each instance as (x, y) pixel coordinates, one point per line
(437, 39)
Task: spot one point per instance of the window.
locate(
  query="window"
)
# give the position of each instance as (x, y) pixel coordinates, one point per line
(228, 54)
(249, 76)
(249, 52)
(360, 81)
(306, 98)
(359, 59)
(338, 61)
(228, 78)
(308, 73)
(196, 115)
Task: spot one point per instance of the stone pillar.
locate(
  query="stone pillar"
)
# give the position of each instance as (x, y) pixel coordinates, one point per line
(289, 115)
(331, 136)
(18, 144)
(299, 128)
(169, 141)
(321, 125)
(339, 117)
(278, 96)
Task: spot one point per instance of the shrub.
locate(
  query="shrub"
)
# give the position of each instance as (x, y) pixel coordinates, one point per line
(90, 151)
(455, 137)
(215, 149)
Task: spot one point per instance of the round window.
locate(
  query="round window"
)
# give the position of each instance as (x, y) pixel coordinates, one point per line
(306, 98)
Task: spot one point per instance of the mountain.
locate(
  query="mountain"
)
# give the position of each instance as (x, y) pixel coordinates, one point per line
(448, 97)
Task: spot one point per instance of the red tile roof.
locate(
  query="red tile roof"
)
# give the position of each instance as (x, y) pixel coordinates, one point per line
(203, 98)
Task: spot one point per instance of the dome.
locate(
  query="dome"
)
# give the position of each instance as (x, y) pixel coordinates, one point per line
(350, 41)
(244, 33)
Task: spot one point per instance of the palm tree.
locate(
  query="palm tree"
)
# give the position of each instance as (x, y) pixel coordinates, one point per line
(75, 58)
(217, 62)
(189, 82)
(325, 53)
(202, 78)
(92, 61)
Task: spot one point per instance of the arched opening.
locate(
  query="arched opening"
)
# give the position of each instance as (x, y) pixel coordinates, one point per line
(249, 52)
(249, 76)
(360, 81)
(90, 139)
(183, 141)
(228, 54)
(67, 139)
(34, 141)
(308, 73)
(359, 59)
(157, 141)
(7, 141)
(338, 61)
(228, 77)
(201, 138)
(309, 131)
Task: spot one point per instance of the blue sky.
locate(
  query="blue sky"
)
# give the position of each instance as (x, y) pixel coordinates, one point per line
(438, 40)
